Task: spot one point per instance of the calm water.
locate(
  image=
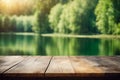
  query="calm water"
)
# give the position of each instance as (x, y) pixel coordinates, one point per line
(36, 45)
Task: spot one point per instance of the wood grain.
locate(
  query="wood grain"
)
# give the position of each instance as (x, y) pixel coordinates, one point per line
(84, 67)
(6, 62)
(59, 66)
(32, 66)
(110, 64)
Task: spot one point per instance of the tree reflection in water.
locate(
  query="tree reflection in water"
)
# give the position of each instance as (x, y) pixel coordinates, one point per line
(58, 46)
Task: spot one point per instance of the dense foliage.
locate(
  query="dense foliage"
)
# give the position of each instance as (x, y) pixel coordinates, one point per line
(105, 16)
(62, 16)
(76, 17)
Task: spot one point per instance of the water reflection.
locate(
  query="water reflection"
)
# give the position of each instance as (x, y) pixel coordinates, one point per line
(37, 45)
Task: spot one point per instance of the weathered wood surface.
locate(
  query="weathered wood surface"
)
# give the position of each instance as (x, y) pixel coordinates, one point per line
(84, 67)
(8, 62)
(59, 66)
(109, 64)
(31, 66)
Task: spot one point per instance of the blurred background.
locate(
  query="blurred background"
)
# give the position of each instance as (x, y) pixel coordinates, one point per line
(32, 18)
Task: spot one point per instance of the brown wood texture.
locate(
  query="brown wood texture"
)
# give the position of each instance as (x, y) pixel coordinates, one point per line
(59, 66)
(110, 64)
(31, 66)
(6, 62)
(84, 67)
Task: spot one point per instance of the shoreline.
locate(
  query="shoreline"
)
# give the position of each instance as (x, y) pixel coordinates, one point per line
(66, 35)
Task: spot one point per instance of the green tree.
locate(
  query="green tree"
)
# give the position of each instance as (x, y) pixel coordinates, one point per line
(41, 24)
(77, 17)
(116, 4)
(27, 24)
(54, 16)
(43, 8)
(105, 16)
(13, 24)
(6, 24)
(20, 26)
(117, 29)
(0, 23)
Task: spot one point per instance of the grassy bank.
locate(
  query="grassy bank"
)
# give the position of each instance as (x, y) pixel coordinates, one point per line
(67, 35)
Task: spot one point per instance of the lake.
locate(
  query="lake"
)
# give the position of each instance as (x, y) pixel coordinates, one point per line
(57, 46)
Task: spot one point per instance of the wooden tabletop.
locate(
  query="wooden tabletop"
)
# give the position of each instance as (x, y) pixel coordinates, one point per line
(59, 66)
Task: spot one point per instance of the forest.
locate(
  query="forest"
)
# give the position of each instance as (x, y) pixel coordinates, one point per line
(60, 16)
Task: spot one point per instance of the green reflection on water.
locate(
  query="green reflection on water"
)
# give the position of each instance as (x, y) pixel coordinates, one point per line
(59, 46)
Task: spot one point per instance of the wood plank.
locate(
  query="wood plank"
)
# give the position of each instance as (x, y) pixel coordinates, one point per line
(86, 68)
(110, 64)
(7, 62)
(60, 66)
(31, 67)
(114, 59)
